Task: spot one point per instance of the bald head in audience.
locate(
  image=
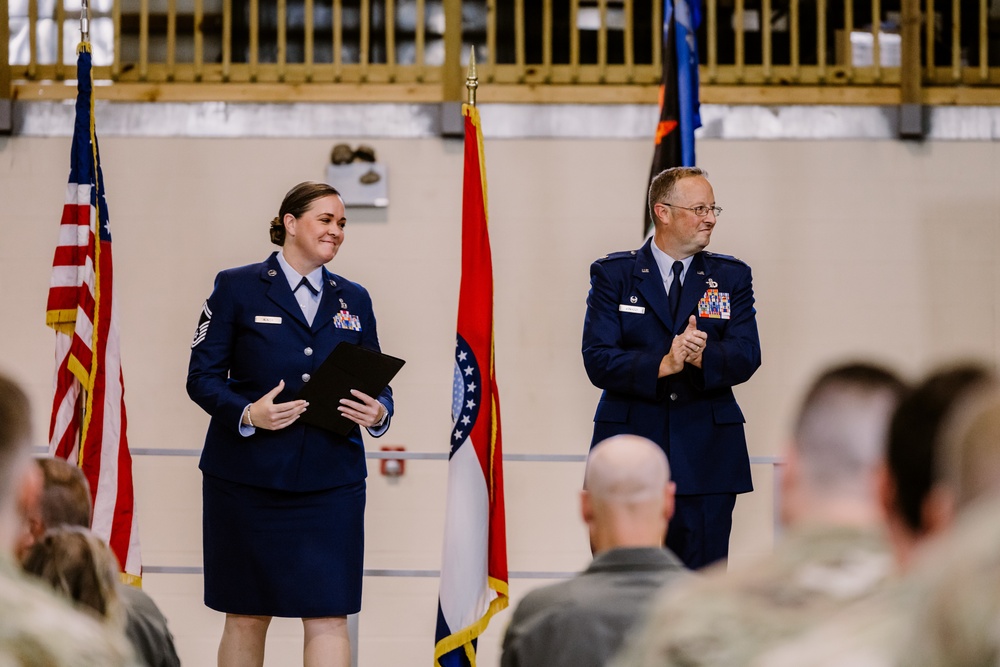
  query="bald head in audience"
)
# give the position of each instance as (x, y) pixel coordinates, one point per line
(628, 497)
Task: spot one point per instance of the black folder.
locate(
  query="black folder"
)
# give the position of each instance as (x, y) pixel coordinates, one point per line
(348, 367)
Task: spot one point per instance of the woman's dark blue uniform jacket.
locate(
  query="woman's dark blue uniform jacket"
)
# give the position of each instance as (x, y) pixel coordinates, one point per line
(252, 334)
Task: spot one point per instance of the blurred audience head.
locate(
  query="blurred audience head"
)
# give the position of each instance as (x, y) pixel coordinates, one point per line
(838, 443)
(970, 463)
(66, 494)
(29, 510)
(79, 566)
(628, 497)
(62, 499)
(18, 481)
(912, 468)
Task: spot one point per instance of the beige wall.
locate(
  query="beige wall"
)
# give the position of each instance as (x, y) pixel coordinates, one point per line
(883, 250)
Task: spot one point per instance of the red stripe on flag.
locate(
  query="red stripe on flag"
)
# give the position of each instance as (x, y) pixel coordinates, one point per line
(68, 255)
(121, 531)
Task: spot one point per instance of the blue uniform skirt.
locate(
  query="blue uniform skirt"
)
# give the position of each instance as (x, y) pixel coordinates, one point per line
(283, 553)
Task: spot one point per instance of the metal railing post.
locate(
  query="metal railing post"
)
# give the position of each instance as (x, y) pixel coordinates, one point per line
(911, 113)
(6, 93)
(451, 72)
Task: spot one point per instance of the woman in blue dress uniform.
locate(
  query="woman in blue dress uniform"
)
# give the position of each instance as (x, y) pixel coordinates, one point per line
(283, 501)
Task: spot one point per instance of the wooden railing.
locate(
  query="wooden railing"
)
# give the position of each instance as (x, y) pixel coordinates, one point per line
(752, 51)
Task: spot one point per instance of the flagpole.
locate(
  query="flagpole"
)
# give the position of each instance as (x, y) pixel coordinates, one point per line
(84, 39)
(84, 21)
(472, 80)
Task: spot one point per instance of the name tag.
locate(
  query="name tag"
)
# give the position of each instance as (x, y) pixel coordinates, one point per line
(631, 309)
(264, 319)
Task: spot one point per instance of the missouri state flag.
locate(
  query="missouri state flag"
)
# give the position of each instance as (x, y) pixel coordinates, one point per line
(679, 105)
(474, 562)
(88, 421)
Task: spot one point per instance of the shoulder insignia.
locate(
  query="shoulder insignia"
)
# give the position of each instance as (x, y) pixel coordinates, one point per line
(728, 258)
(617, 255)
(203, 322)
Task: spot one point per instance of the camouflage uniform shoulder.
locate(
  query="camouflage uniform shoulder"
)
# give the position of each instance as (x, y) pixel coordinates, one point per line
(39, 628)
(725, 258)
(624, 254)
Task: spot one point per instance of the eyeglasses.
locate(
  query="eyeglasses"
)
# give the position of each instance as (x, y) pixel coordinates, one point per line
(700, 211)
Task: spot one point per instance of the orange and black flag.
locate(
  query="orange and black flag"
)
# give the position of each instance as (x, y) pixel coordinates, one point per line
(679, 113)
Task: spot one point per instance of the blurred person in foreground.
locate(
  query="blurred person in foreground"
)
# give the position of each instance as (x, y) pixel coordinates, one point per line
(36, 627)
(919, 506)
(65, 501)
(626, 503)
(832, 554)
(958, 607)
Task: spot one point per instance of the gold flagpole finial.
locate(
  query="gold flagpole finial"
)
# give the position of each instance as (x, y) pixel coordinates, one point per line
(472, 80)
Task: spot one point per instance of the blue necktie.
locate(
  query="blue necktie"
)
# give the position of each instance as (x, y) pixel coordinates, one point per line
(305, 281)
(674, 296)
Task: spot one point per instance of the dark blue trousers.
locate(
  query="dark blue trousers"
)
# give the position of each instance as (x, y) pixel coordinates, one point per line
(699, 530)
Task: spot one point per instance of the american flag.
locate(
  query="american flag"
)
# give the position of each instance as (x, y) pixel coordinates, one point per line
(474, 562)
(88, 412)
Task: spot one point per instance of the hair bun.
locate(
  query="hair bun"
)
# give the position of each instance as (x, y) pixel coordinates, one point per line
(277, 231)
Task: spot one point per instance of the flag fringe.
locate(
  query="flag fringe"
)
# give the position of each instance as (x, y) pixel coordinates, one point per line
(465, 636)
(63, 321)
(130, 579)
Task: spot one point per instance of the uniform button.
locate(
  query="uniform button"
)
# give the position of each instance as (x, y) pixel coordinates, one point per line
(673, 397)
(308, 351)
(306, 377)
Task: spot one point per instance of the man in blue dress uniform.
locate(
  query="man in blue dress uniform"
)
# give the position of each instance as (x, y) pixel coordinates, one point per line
(670, 329)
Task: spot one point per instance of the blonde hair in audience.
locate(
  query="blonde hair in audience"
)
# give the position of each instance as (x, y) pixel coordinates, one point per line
(79, 566)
